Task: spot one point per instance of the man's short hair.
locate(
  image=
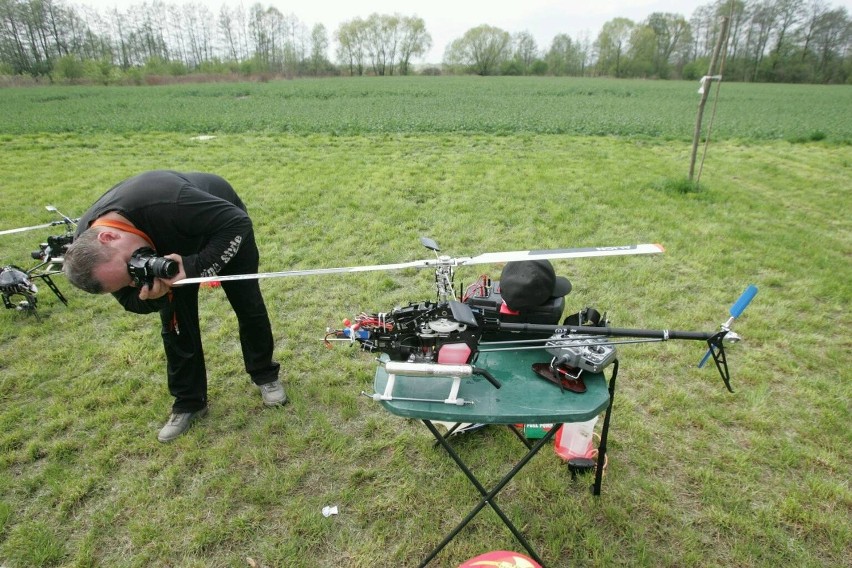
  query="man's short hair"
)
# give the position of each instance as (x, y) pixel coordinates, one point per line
(81, 259)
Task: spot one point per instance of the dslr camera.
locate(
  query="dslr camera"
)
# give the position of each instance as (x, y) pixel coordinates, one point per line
(145, 265)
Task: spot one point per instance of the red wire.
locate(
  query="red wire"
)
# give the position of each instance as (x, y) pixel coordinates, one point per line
(477, 289)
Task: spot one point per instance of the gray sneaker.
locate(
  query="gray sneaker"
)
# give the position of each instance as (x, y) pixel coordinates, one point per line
(178, 423)
(273, 393)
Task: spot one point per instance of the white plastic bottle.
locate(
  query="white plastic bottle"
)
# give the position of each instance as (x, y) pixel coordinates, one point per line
(576, 439)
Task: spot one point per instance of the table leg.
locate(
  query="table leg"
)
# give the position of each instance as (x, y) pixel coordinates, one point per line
(487, 496)
(596, 488)
(520, 436)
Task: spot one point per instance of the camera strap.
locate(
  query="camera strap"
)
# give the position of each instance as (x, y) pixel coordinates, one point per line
(173, 325)
(122, 226)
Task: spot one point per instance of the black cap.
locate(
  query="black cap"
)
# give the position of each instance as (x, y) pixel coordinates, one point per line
(531, 283)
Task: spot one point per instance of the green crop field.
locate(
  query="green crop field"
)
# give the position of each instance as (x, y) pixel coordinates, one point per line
(347, 172)
(497, 105)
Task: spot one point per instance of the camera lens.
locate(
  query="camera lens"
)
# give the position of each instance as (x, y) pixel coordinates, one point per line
(163, 267)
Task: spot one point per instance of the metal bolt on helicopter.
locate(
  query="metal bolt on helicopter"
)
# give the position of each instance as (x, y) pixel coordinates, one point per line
(17, 285)
(444, 337)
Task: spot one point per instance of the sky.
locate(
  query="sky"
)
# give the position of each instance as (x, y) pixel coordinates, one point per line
(447, 20)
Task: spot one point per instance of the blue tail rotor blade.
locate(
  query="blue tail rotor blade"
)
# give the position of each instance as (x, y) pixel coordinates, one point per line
(736, 310)
(744, 300)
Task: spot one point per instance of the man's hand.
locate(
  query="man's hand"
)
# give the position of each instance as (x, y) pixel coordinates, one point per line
(162, 286)
(157, 290)
(181, 274)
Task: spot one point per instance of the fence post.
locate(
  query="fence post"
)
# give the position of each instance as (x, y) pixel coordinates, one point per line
(706, 81)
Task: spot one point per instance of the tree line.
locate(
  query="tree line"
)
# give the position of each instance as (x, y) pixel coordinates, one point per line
(768, 41)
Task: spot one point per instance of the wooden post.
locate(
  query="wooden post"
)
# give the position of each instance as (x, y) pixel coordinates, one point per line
(705, 92)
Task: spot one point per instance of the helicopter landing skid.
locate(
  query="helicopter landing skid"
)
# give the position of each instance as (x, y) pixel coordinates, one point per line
(387, 395)
(439, 370)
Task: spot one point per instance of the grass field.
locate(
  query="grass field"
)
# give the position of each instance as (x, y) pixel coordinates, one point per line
(495, 105)
(696, 477)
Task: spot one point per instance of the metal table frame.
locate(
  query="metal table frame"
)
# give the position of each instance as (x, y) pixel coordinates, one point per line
(495, 406)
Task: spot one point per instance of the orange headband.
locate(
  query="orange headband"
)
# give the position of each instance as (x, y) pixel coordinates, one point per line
(123, 227)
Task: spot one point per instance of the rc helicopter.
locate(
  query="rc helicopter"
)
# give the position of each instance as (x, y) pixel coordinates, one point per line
(17, 285)
(444, 337)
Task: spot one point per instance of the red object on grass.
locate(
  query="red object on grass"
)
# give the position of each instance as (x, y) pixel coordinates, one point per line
(501, 559)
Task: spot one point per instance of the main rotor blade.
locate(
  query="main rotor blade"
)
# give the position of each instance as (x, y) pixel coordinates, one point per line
(22, 229)
(65, 220)
(495, 257)
(491, 257)
(316, 271)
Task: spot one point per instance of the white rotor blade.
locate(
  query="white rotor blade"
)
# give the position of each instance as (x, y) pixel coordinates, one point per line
(22, 229)
(495, 257)
(348, 269)
(492, 257)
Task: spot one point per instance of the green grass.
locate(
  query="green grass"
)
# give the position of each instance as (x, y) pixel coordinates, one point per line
(697, 476)
(496, 105)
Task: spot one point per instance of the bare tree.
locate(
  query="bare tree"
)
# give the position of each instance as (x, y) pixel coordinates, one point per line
(832, 41)
(294, 44)
(263, 27)
(815, 11)
(227, 27)
(237, 35)
(196, 19)
(12, 46)
(737, 12)
(180, 46)
(759, 33)
(789, 13)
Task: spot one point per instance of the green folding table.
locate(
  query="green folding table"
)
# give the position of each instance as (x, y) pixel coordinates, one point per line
(523, 398)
